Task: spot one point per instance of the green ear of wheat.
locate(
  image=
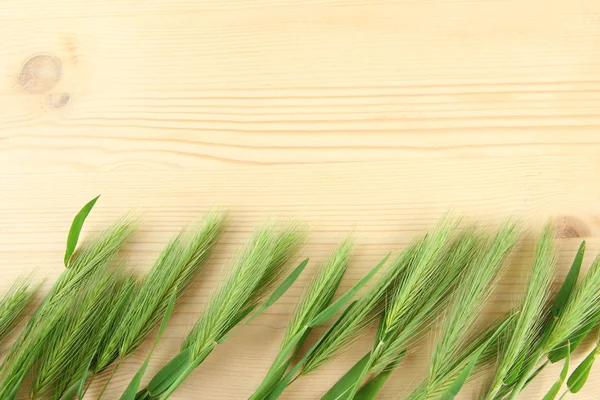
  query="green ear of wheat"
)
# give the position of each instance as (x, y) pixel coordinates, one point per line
(529, 322)
(477, 282)
(13, 303)
(74, 340)
(432, 274)
(315, 299)
(176, 267)
(94, 255)
(362, 314)
(483, 345)
(575, 312)
(261, 265)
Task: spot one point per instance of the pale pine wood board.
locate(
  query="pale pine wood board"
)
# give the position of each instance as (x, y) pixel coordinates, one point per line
(372, 117)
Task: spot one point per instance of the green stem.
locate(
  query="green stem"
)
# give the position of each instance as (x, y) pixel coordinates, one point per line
(112, 374)
(178, 382)
(88, 386)
(564, 395)
(346, 382)
(524, 377)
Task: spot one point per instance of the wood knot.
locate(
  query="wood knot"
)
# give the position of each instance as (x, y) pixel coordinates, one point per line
(571, 227)
(40, 73)
(57, 100)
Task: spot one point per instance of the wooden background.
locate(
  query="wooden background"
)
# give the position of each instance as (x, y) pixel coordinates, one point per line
(372, 116)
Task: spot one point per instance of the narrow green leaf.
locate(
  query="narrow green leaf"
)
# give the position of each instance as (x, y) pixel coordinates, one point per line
(581, 373)
(553, 392)
(169, 373)
(175, 375)
(132, 388)
(277, 293)
(285, 381)
(81, 388)
(515, 371)
(184, 374)
(337, 305)
(273, 377)
(567, 287)
(239, 318)
(371, 389)
(535, 374)
(345, 383)
(75, 389)
(560, 351)
(461, 379)
(71, 392)
(280, 365)
(285, 285)
(75, 230)
(363, 373)
(293, 342)
(143, 395)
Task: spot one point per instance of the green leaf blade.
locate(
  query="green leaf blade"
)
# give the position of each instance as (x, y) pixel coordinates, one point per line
(345, 383)
(76, 227)
(561, 352)
(553, 392)
(569, 283)
(371, 389)
(579, 377)
(461, 379)
(76, 389)
(337, 305)
(169, 373)
(134, 384)
(284, 286)
(277, 293)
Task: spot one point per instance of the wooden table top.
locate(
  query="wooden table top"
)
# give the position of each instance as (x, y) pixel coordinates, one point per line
(352, 115)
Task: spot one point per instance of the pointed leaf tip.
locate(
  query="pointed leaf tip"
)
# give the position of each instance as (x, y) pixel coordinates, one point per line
(569, 284)
(553, 392)
(579, 377)
(75, 230)
(130, 392)
(461, 379)
(337, 305)
(277, 293)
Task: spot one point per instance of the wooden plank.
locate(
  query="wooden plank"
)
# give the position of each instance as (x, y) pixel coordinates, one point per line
(374, 117)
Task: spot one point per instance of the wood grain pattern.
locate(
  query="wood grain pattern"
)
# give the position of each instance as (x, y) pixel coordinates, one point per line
(349, 114)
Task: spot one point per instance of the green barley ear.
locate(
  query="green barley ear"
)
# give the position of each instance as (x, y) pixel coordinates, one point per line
(574, 315)
(320, 291)
(471, 295)
(316, 298)
(13, 303)
(74, 340)
(124, 293)
(405, 270)
(475, 259)
(370, 305)
(580, 315)
(532, 314)
(484, 343)
(450, 264)
(176, 267)
(394, 337)
(260, 266)
(94, 255)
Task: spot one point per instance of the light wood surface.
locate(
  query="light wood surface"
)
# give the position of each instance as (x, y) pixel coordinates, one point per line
(371, 116)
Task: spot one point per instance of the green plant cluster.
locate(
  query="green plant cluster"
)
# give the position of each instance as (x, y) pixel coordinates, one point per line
(99, 312)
